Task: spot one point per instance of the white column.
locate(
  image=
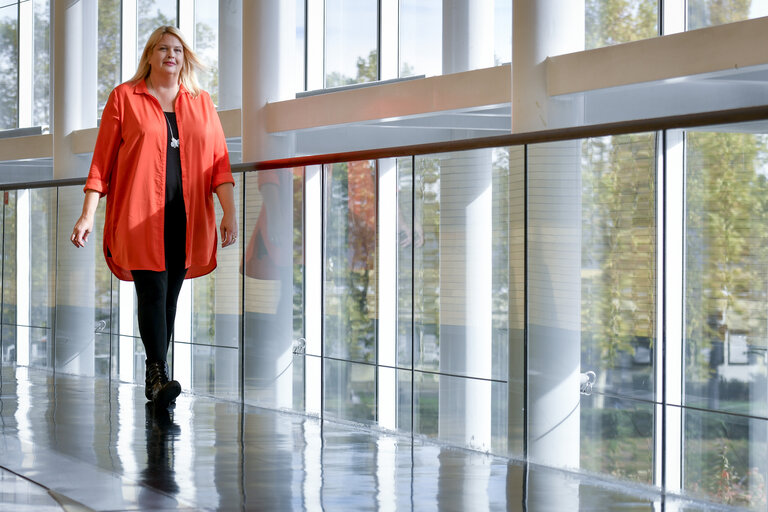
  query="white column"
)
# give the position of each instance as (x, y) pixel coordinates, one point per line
(74, 79)
(554, 316)
(26, 63)
(387, 279)
(669, 355)
(541, 30)
(126, 315)
(74, 55)
(230, 54)
(467, 35)
(315, 44)
(466, 247)
(313, 288)
(129, 58)
(389, 36)
(269, 46)
(23, 210)
(187, 19)
(673, 16)
(182, 331)
(466, 263)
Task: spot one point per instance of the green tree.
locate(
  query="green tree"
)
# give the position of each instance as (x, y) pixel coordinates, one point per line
(610, 22)
(109, 50)
(9, 71)
(706, 13)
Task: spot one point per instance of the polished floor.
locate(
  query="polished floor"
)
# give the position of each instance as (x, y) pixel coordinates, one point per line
(79, 444)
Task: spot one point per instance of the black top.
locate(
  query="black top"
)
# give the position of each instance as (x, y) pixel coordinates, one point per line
(175, 213)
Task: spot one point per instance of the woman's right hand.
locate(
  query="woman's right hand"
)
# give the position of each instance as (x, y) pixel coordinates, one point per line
(82, 229)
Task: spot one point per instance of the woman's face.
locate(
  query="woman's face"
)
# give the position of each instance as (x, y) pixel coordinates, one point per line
(167, 56)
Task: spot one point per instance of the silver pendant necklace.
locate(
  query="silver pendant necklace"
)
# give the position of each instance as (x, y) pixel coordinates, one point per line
(174, 141)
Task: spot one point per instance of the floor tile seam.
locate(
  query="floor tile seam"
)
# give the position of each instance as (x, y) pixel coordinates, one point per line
(98, 468)
(54, 495)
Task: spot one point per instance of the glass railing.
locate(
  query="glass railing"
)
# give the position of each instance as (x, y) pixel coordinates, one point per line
(591, 299)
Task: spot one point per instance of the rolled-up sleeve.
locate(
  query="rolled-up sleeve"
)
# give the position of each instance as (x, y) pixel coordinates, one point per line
(107, 145)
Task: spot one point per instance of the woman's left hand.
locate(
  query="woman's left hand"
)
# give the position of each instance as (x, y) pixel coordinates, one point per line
(228, 230)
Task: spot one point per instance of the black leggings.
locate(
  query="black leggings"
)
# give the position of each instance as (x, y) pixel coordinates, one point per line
(157, 294)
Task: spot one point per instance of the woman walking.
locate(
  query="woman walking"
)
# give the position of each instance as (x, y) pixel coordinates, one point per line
(159, 157)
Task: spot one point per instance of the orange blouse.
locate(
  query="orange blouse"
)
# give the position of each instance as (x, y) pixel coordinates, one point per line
(128, 167)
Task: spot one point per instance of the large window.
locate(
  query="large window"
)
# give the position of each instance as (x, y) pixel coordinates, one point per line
(24, 63)
(351, 48)
(610, 22)
(206, 45)
(705, 13)
(9, 65)
(421, 36)
(109, 50)
(618, 320)
(726, 313)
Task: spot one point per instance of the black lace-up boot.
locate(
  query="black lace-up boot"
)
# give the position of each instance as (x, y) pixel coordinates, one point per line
(160, 389)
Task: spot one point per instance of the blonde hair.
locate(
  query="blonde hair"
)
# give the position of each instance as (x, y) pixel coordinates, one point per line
(192, 63)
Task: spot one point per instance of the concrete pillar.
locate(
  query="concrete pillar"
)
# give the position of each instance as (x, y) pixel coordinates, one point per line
(467, 35)
(230, 54)
(466, 239)
(269, 46)
(74, 79)
(541, 30)
(74, 108)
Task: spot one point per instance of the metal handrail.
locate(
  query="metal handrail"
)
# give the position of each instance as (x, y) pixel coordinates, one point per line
(719, 117)
(673, 122)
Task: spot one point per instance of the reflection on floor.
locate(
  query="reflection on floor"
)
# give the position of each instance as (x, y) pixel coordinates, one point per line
(79, 443)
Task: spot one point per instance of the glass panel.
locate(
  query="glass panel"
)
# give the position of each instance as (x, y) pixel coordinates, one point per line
(350, 261)
(274, 288)
(109, 50)
(9, 276)
(351, 48)
(42, 66)
(139, 358)
(726, 292)
(103, 354)
(9, 67)
(462, 281)
(591, 282)
(706, 13)
(724, 458)
(217, 297)
(80, 285)
(421, 32)
(215, 371)
(151, 14)
(9, 344)
(464, 412)
(350, 391)
(617, 437)
(42, 269)
(609, 22)
(618, 271)
(207, 45)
